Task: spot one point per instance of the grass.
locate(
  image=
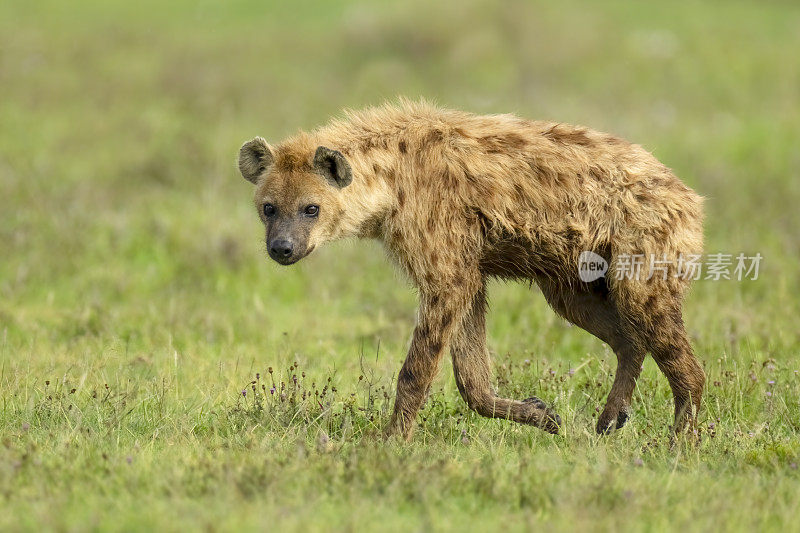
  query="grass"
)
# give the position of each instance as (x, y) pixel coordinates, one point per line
(139, 319)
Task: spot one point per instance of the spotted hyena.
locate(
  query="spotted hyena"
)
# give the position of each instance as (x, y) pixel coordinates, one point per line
(457, 199)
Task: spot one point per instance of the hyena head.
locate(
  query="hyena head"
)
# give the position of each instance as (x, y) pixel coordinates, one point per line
(298, 195)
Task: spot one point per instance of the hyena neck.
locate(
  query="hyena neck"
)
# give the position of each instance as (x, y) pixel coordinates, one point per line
(368, 200)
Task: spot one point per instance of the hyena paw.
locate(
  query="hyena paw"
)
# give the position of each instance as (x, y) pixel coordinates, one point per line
(549, 419)
(539, 404)
(611, 419)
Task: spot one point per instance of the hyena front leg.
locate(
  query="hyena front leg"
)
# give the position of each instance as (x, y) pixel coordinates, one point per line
(441, 311)
(472, 367)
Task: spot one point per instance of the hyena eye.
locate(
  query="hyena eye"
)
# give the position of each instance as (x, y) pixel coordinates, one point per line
(269, 210)
(311, 210)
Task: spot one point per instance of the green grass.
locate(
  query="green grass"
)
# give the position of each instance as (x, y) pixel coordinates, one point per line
(136, 303)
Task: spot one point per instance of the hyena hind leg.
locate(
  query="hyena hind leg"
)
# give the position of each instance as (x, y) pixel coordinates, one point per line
(596, 313)
(669, 343)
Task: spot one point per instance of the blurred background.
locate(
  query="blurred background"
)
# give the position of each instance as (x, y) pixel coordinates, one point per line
(133, 277)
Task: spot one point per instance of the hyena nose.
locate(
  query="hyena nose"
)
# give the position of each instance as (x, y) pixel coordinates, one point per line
(281, 248)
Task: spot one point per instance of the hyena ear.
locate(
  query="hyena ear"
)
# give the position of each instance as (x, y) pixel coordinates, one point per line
(254, 158)
(333, 166)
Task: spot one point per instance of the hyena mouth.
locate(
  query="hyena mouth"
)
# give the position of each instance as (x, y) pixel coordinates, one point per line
(292, 259)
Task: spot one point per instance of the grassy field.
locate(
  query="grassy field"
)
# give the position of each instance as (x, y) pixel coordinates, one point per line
(142, 328)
